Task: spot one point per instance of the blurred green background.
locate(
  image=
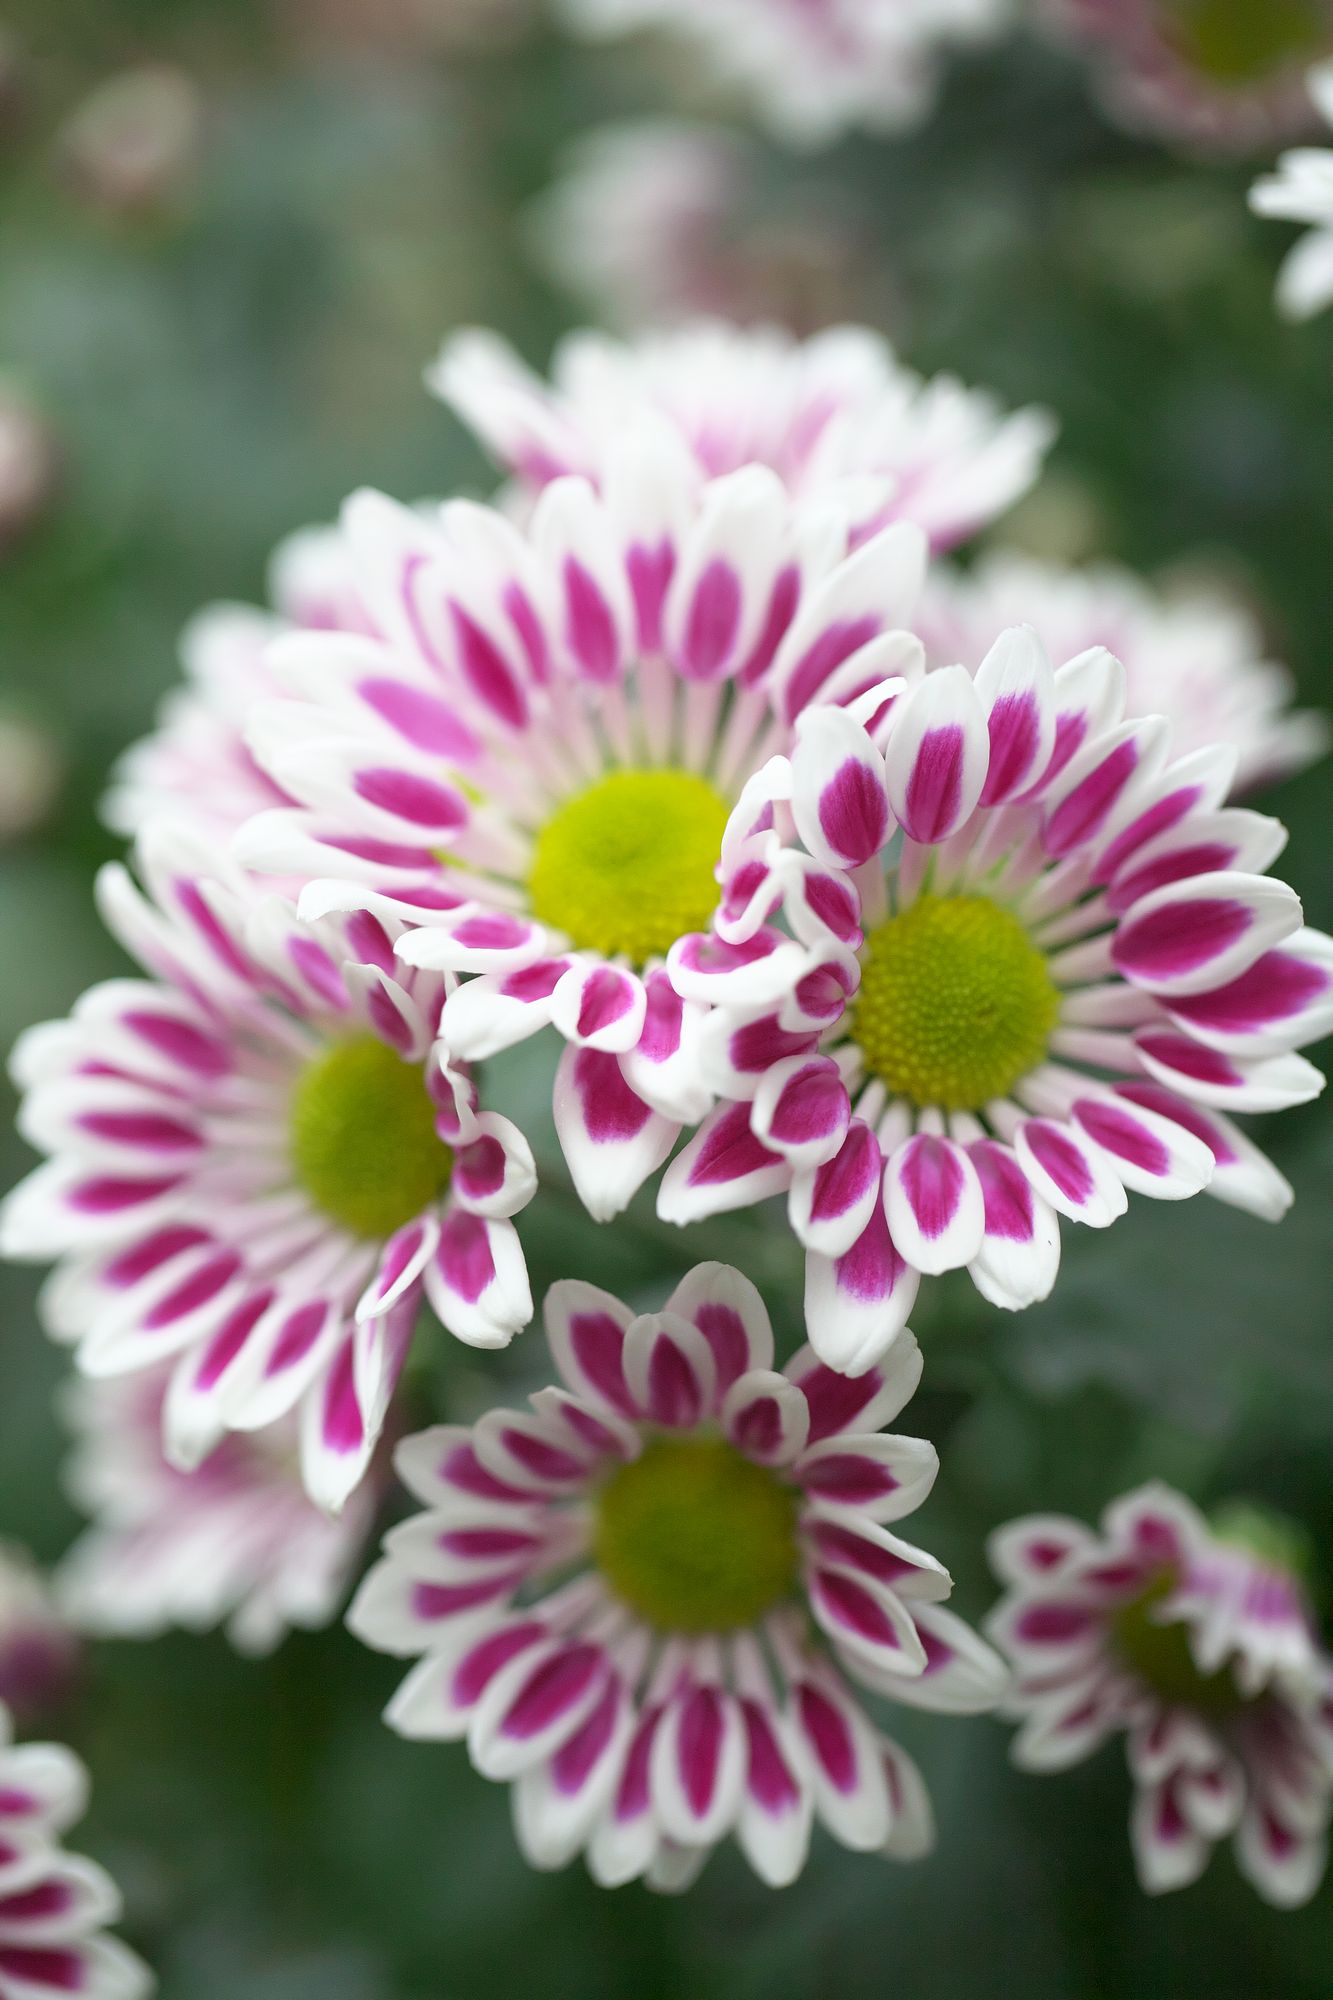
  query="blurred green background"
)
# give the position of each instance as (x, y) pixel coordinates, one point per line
(215, 349)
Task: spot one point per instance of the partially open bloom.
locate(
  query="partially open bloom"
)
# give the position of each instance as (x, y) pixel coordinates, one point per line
(1198, 1646)
(1302, 191)
(260, 1158)
(658, 1601)
(656, 221)
(235, 1539)
(54, 1906)
(1041, 962)
(814, 68)
(533, 768)
(196, 761)
(38, 1650)
(1193, 654)
(834, 408)
(1221, 75)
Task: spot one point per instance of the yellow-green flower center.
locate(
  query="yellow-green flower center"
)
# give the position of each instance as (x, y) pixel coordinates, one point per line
(1162, 1655)
(955, 1002)
(627, 865)
(1243, 41)
(363, 1140)
(696, 1538)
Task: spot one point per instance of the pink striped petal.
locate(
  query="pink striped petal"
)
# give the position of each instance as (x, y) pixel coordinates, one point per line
(802, 1110)
(728, 1311)
(882, 1477)
(1020, 1252)
(599, 1006)
(1152, 1155)
(842, 1755)
(936, 760)
(586, 1330)
(494, 1174)
(612, 1141)
(1282, 1001)
(766, 1417)
(839, 801)
(724, 1167)
(1074, 1177)
(477, 1281)
(1242, 1176)
(962, 1674)
(1208, 1076)
(1192, 936)
(698, 1764)
(1079, 805)
(1017, 690)
(670, 1372)
(934, 1203)
(856, 1304)
(831, 1203)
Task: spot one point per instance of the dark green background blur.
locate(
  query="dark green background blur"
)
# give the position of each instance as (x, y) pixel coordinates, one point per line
(223, 363)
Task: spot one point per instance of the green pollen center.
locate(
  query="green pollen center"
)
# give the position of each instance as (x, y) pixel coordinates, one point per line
(1161, 1654)
(363, 1140)
(955, 1002)
(626, 867)
(696, 1538)
(1243, 41)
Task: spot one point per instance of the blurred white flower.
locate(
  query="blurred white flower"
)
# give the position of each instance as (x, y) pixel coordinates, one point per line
(1302, 191)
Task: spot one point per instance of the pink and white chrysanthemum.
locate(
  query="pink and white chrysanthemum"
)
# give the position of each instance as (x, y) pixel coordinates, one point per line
(196, 761)
(657, 1601)
(1041, 964)
(1201, 1651)
(1302, 191)
(39, 1651)
(236, 1539)
(54, 1906)
(813, 68)
(837, 407)
(260, 1159)
(533, 767)
(1194, 655)
(1220, 75)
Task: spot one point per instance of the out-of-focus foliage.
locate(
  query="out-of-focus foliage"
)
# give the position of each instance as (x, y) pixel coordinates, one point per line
(224, 338)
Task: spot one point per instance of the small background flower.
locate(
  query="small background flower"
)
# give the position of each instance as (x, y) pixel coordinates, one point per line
(1200, 1648)
(1302, 191)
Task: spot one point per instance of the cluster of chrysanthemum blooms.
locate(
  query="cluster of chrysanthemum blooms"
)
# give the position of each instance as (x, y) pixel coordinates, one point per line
(670, 756)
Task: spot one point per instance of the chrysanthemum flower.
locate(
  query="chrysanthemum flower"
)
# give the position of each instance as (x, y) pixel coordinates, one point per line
(1198, 1646)
(535, 765)
(1302, 191)
(260, 1158)
(54, 1906)
(1194, 655)
(836, 407)
(38, 1649)
(196, 760)
(1040, 963)
(235, 1539)
(814, 68)
(657, 1602)
(1223, 75)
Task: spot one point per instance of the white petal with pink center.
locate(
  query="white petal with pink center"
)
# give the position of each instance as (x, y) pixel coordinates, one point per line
(664, 1604)
(259, 1159)
(836, 408)
(1038, 965)
(1192, 652)
(54, 1907)
(1197, 1644)
(529, 774)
